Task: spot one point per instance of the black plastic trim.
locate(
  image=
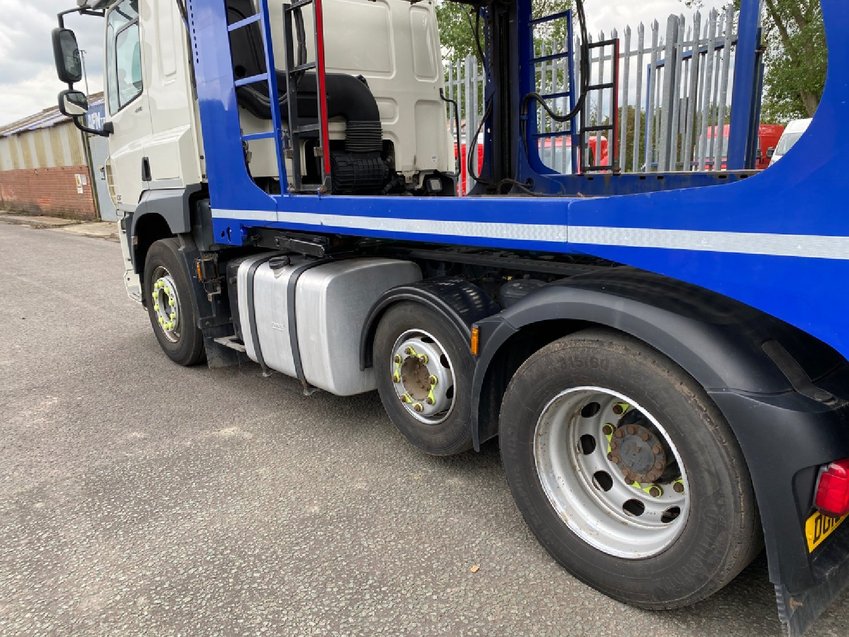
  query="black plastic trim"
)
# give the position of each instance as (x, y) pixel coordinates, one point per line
(460, 302)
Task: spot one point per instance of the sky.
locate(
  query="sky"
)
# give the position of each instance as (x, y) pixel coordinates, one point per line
(28, 80)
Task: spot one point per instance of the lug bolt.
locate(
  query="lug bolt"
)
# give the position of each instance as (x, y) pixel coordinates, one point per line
(620, 408)
(607, 429)
(655, 491)
(406, 399)
(156, 307)
(678, 487)
(423, 359)
(396, 378)
(418, 407)
(430, 401)
(409, 351)
(433, 380)
(397, 359)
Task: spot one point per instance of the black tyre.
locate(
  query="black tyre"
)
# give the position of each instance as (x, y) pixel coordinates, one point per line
(626, 472)
(424, 369)
(168, 294)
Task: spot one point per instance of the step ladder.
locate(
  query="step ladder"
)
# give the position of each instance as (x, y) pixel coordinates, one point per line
(293, 19)
(591, 154)
(270, 78)
(567, 92)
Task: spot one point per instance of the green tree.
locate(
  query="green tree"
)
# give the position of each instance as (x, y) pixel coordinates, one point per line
(795, 57)
(456, 25)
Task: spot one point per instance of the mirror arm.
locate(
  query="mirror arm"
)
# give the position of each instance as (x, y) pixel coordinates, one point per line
(106, 131)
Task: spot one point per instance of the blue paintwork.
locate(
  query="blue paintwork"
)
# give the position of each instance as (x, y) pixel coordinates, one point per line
(745, 98)
(804, 193)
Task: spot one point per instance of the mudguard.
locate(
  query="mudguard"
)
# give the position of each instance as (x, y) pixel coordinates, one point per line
(460, 302)
(783, 393)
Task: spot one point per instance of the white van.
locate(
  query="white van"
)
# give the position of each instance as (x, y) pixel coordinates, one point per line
(790, 136)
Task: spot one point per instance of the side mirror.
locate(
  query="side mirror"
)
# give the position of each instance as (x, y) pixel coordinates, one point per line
(770, 151)
(66, 54)
(73, 103)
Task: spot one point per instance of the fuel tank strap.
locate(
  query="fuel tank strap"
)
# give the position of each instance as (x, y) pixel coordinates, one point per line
(293, 319)
(252, 312)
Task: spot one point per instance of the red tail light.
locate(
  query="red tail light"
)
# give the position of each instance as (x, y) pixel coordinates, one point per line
(833, 489)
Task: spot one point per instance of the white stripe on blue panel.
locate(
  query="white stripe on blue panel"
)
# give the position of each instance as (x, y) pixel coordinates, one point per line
(770, 244)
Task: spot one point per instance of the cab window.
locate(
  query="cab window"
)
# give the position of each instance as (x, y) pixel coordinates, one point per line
(123, 55)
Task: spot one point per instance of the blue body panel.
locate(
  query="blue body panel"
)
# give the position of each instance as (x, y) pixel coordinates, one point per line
(803, 195)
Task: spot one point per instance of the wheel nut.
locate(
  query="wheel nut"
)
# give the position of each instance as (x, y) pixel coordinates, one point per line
(608, 429)
(656, 449)
(610, 456)
(396, 378)
(632, 429)
(423, 359)
(620, 408)
(433, 380)
(678, 487)
(658, 465)
(644, 436)
(655, 491)
(430, 401)
(409, 351)
(397, 359)
(418, 407)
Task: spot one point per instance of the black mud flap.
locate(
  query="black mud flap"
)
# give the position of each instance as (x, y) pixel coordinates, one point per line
(798, 611)
(786, 439)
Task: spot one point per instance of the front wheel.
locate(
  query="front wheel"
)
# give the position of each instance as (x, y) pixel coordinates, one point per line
(168, 295)
(626, 472)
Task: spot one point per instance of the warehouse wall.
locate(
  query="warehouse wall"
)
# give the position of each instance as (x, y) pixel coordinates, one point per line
(44, 171)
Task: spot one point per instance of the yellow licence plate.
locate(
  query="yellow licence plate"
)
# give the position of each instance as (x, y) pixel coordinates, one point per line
(818, 527)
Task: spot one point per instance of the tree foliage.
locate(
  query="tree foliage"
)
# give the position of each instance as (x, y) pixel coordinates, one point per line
(456, 25)
(795, 57)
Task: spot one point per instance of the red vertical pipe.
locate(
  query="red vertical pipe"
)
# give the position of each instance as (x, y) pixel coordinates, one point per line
(322, 85)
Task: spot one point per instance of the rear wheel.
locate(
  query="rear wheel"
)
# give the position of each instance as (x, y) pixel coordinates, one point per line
(424, 369)
(626, 472)
(168, 295)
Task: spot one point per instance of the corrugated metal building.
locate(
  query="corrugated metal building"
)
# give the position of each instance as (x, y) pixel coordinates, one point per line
(43, 167)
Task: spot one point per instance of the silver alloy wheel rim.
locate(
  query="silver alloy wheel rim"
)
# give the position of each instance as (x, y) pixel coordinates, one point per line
(166, 303)
(572, 454)
(422, 376)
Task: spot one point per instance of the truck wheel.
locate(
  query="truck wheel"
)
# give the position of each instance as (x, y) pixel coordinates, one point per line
(168, 295)
(626, 472)
(424, 370)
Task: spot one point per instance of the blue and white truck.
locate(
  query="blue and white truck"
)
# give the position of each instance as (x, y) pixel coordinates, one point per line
(662, 356)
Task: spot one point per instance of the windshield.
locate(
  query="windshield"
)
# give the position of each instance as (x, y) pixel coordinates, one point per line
(786, 142)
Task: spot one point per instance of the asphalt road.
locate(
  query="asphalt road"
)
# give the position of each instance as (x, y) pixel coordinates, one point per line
(143, 498)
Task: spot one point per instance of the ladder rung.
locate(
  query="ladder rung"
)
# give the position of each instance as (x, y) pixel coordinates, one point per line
(245, 22)
(254, 136)
(253, 79)
(298, 4)
(307, 128)
(548, 18)
(553, 96)
(596, 129)
(302, 67)
(598, 87)
(549, 58)
(560, 133)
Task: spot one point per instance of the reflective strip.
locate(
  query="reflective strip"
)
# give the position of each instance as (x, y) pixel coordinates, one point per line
(785, 245)
(486, 230)
(789, 245)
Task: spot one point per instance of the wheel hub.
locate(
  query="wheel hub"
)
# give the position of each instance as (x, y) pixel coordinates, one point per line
(638, 453)
(422, 377)
(166, 304)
